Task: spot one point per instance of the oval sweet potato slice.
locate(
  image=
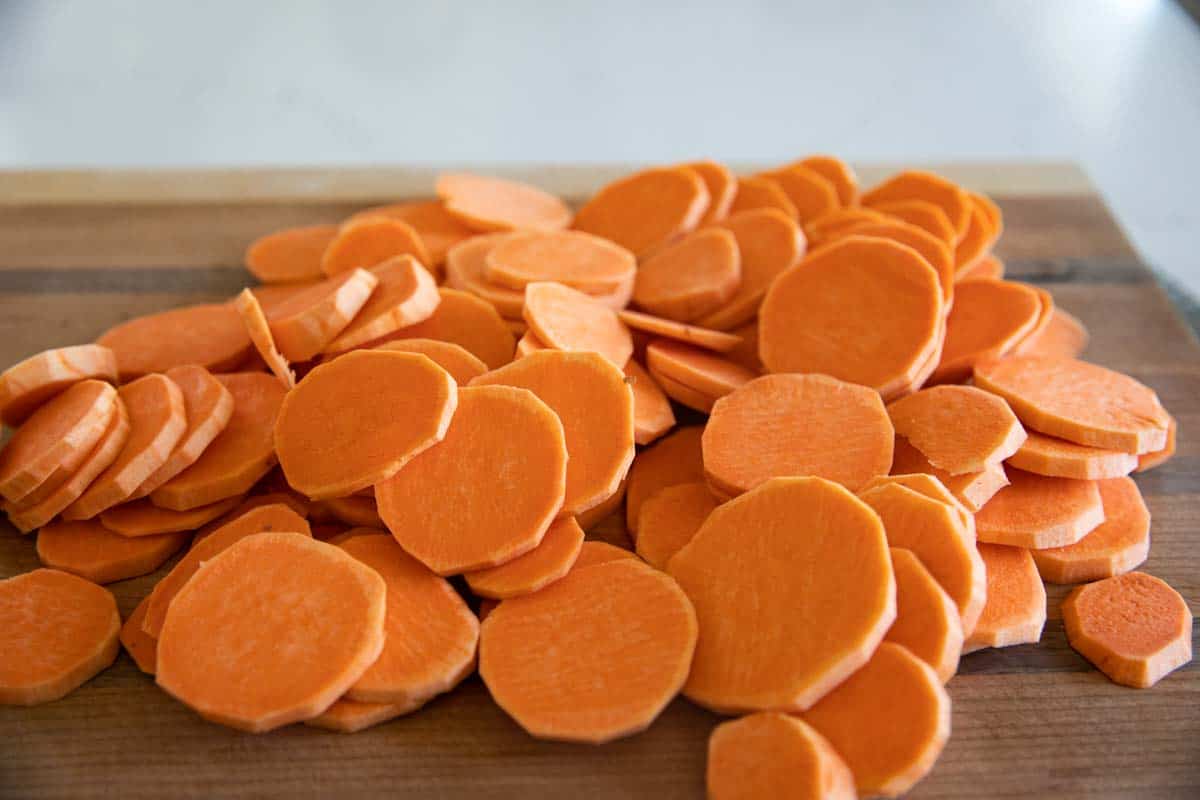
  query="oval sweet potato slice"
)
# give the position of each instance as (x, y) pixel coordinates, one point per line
(532, 571)
(91, 551)
(494, 204)
(216, 340)
(1015, 612)
(646, 210)
(958, 428)
(290, 255)
(367, 242)
(924, 186)
(468, 321)
(26, 385)
(406, 295)
(669, 518)
(927, 621)
(691, 278)
(770, 754)
(305, 322)
(1116, 546)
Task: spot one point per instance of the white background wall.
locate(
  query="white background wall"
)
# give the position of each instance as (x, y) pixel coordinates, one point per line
(1113, 85)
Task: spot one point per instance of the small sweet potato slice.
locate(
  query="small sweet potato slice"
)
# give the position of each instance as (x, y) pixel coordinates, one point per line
(721, 185)
(837, 172)
(532, 571)
(691, 278)
(770, 754)
(290, 255)
(674, 459)
(988, 320)
(368, 242)
(495, 204)
(1064, 335)
(1116, 546)
(26, 385)
(959, 429)
(669, 518)
(811, 193)
(91, 551)
(1047, 455)
(566, 319)
(406, 295)
(759, 191)
(143, 518)
(973, 489)
(469, 322)
(215, 339)
(927, 621)
(439, 229)
(306, 321)
(646, 210)
(142, 647)
(1015, 612)
(696, 368)
(717, 341)
(1037, 511)
(652, 414)
(580, 260)
(924, 186)
(264, 342)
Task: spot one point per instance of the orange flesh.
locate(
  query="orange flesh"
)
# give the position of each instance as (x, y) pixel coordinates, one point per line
(595, 405)
(811, 194)
(290, 255)
(91, 551)
(973, 489)
(534, 570)
(241, 454)
(495, 204)
(797, 425)
(770, 754)
(56, 632)
(349, 716)
(688, 334)
(142, 648)
(927, 620)
(925, 186)
(142, 518)
(570, 320)
(593, 553)
(250, 615)
(769, 243)
(370, 241)
(354, 510)
(579, 662)
(1117, 545)
(670, 518)
(25, 386)
(695, 368)
(305, 322)
(975, 242)
(1059, 458)
(932, 249)
(672, 460)
(926, 216)
(836, 172)
(757, 192)
(497, 430)
(439, 230)
(828, 227)
(1064, 335)
(584, 262)
(406, 295)
(211, 336)
(260, 334)
(1015, 612)
(356, 420)
(692, 277)
(721, 185)
(683, 394)
(470, 323)
(989, 267)
(466, 269)
(959, 429)
(1037, 511)
(652, 414)
(1158, 457)
(988, 319)
(646, 210)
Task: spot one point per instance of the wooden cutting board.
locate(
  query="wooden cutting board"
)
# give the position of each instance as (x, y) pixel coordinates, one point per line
(80, 251)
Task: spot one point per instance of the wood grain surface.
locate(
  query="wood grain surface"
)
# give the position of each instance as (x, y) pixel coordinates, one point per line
(81, 251)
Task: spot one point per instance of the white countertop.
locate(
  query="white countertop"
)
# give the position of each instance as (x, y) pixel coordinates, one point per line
(1112, 85)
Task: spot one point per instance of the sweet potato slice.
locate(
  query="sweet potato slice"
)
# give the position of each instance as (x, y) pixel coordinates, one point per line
(141, 518)
(264, 342)
(142, 647)
(1046, 455)
(861, 309)
(287, 605)
(1064, 335)
(923, 214)
(458, 361)
(289, 255)
(988, 267)
(696, 368)
(1077, 401)
(26, 518)
(1163, 455)
(469, 322)
(918, 185)
(530, 343)
(838, 173)
(580, 260)
(55, 440)
(959, 429)
(652, 414)
(494, 204)
(927, 621)
(495, 431)
(1037, 511)
(889, 721)
(405, 296)
(595, 405)
(1134, 628)
(431, 635)
(389, 407)
(590, 519)
(157, 423)
(978, 239)
(718, 341)
(368, 242)
(646, 210)
(669, 518)
(691, 278)
(1116, 546)
(932, 249)
(275, 517)
(988, 320)
(1015, 612)
(593, 553)
(674, 459)
(927, 486)
(25, 386)
(570, 320)
(758, 192)
(683, 394)
(211, 336)
(57, 631)
(797, 425)
(439, 229)
(580, 662)
(835, 223)
(754, 651)
(770, 754)
(811, 194)
(973, 489)
(538, 568)
(466, 269)
(1045, 314)
(240, 454)
(350, 716)
(721, 185)
(305, 322)
(937, 535)
(91, 551)
(769, 243)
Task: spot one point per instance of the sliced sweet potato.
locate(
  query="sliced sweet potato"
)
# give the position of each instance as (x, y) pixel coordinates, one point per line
(431, 635)
(797, 425)
(696, 368)
(354, 510)
(57, 631)
(1015, 612)
(1037, 511)
(405, 296)
(350, 716)
(931, 248)
(977, 240)
(960, 429)
(290, 255)
(988, 320)
(691, 278)
(264, 342)
(707, 338)
(368, 242)
(652, 414)
(287, 605)
(593, 553)
(26, 385)
(494, 204)
(889, 721)
(973, 489)
(757, 192)
(495, 431)
(439, 229)
(674, 459)
(646, 210)
(1166, 453)
(669, 518)
(746, 572)
(142, 518)
(142, 647)
(595, 405)
(390, 406)
(1135, 628)
(925, 215)
(1077, 401)
(530, 343)
(241, 454)
(557, 659)
(927, 620)
(1116, 546)
(811, 193)
(838, 173)
(580, 260)
(1047, 455)
(721, 185)
(466, 269)
(769, 243)
(828, 227)
(461, 364)
(215, 339)
(770, 754)
(305, 322)
(1064, 335)
(918, 185)
(591, 519)
(533, 571)
(1045, 314)
(570, 320)
(157, 423)
(469, 322)
(683, 394)
(861, 309)
(91, 551)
